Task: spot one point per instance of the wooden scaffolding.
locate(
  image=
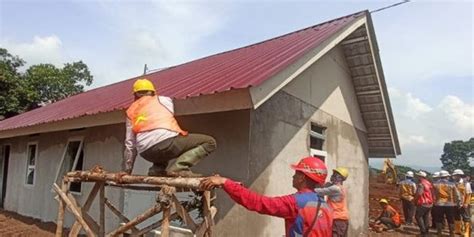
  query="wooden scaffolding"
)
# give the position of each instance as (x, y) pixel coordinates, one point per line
(166, 203)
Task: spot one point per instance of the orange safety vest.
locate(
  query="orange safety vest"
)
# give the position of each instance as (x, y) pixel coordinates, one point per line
(339, 205)
(147, 113)
(407, 189)
(395, 215)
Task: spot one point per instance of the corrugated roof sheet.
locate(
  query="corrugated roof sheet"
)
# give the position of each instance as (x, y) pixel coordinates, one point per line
(238, 68)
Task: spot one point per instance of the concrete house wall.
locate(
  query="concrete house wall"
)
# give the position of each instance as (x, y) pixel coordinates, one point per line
(102, 146)
(279, 136)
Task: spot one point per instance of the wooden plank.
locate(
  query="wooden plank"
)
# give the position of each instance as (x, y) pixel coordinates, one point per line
(137, 220)
(102, 210)
(75, 211)
(184, 214)
(118, 214)
(76, 227)
(61, 209)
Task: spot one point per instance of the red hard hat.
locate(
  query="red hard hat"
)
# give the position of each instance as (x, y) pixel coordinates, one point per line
(312, 167)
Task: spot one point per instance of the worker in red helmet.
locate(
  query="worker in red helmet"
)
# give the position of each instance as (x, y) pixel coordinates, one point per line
(298, 209)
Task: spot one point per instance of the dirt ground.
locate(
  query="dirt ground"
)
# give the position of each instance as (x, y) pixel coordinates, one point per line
(12, 224)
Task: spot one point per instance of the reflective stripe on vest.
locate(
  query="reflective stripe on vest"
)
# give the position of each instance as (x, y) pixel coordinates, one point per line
(307, 204)
(338, 203)
(407, 189)
(444, 191)
(426, 198)
(147, 113)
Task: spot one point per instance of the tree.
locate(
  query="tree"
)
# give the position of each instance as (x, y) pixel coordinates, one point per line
(39, 85)
(457, 155)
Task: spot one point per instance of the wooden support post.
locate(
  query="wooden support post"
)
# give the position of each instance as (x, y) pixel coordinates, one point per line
(61, 209)
(154, 225)
(75, 211)
(184, 214)
(76, 227)
(165, 223)
(118, 214)
(102, 210)
(137, 220)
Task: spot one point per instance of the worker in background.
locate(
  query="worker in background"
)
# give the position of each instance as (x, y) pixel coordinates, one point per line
(305, 212)
(407, 189)
(463, 213)
(446, 200)
(434, 179)
(389, 218)
(337, 200)
(153, 132)
(424, 202)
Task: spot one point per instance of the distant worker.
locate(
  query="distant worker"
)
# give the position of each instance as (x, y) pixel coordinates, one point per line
(446, 202)
(463, 214)
(305, 212)
(153, 132)
(337, 200)
(434, 179)
(407, 190)
(424, 202)
(389, 218)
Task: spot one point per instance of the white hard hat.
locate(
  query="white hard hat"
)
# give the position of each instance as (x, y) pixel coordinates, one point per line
(410, 174)
(458, 172)
(443, 173)
(435, 174)
(421, 174)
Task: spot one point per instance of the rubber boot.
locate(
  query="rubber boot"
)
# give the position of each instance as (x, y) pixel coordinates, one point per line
(439, 229)
(467, 229)
(187, 160)
(458, 227)
(158, 169)
(451, 230)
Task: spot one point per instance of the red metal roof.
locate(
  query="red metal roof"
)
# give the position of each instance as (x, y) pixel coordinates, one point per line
(238, 68)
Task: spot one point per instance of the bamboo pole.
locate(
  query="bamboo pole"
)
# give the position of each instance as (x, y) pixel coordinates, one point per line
(76, 227)
(61, 209)
(137, 220)
(179, 182)
(74, 210)
(118, 214)
(102, 210)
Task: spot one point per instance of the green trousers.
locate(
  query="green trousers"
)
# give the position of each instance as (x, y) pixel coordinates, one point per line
(187, 150)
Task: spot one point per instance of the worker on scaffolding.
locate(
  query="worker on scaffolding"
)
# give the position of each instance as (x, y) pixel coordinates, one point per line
(305, 212)
(153, 132)
(337, 200)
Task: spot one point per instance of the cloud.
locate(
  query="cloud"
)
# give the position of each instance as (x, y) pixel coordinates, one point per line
(159, 33)
(47, 49)
(423, 129)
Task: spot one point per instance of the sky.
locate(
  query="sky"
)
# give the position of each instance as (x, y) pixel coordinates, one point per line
(426, 48)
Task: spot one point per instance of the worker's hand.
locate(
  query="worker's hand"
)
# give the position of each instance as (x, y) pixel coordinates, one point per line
(212, 182)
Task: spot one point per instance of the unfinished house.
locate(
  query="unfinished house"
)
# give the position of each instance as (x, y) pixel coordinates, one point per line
(318, 91)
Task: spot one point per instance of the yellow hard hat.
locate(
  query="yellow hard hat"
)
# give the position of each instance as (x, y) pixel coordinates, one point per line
(342, 171)
(383, 200)
(143, 85)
